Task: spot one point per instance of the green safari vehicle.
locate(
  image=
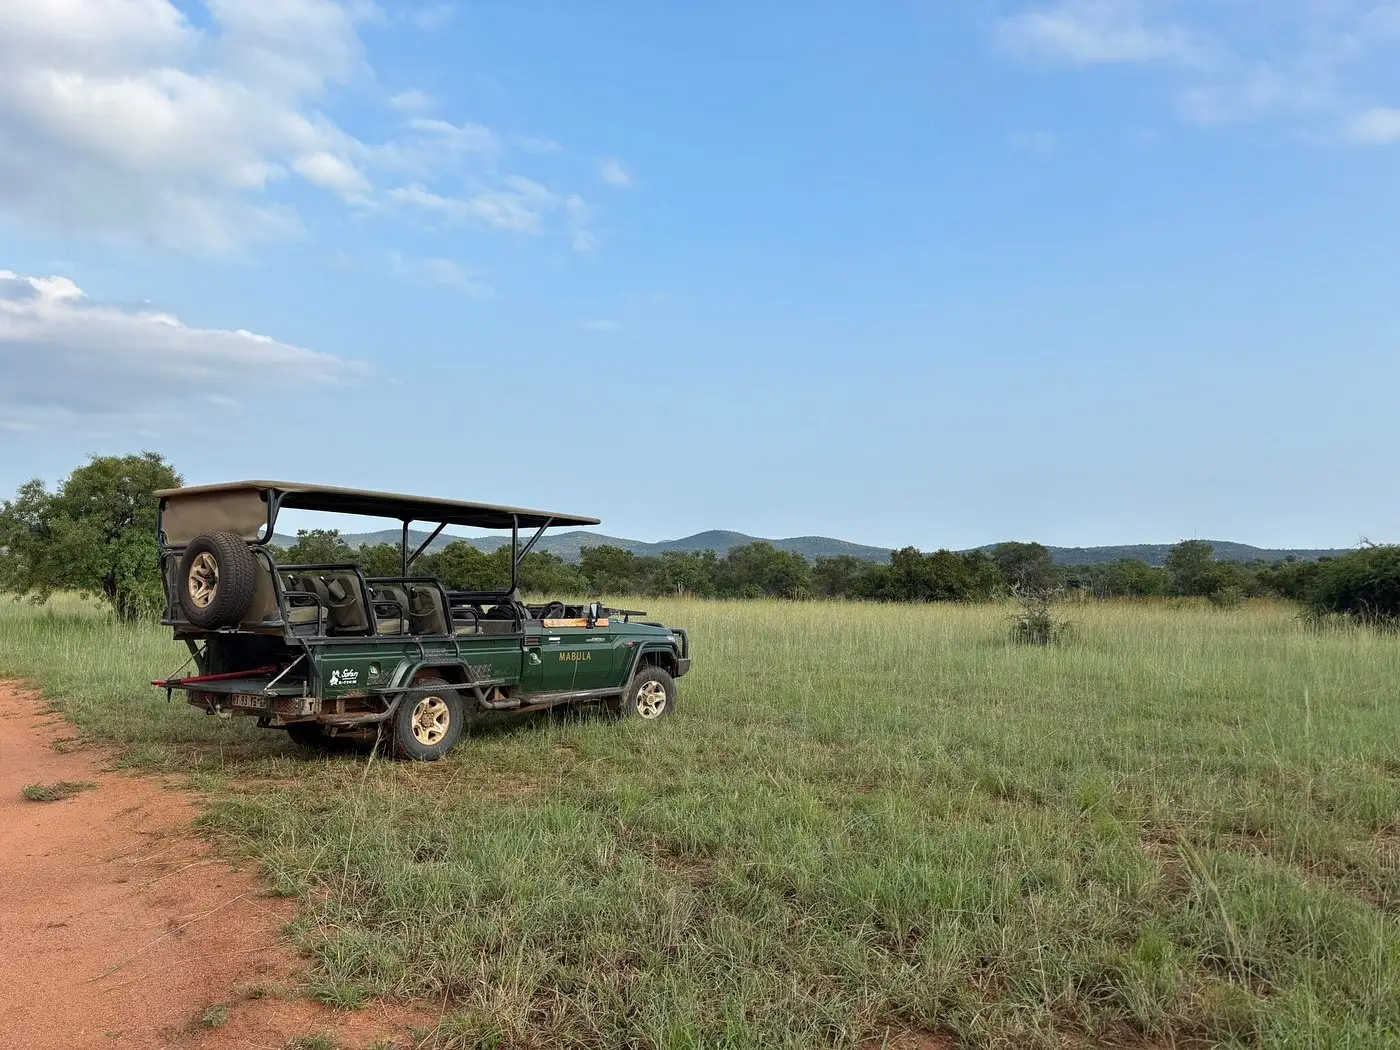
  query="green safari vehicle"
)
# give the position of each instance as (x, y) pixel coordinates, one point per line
(327, 653)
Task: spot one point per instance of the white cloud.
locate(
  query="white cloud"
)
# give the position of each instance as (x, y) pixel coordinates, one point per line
(332, 173)
(1090, 32)
(442, 271)
(1041, 143)
(1375, 127)
(599, 326)
(65, 358)
(125, 118)
(196, 127)
(458, 138)
(412, 100)
(613, 173)
(1301, 64)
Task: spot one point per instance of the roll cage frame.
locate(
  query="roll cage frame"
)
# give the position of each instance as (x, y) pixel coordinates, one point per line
(278, 495)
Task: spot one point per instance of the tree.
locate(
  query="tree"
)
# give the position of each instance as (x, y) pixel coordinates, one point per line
(386, 559)
(462, 567)
(843, 576)
(1193, 569)
(319, 547)
(758, 570)
(96, 534)
(612, 570)
(1026, 566)
(1134, 578)
(1364, 585)
(685, 572)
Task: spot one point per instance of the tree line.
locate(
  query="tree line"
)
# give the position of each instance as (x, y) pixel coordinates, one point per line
(95, 533)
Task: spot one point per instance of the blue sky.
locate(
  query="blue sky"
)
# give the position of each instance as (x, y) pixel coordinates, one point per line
(1088, 271)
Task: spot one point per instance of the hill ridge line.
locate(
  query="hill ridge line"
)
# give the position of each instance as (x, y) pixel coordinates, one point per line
(569, 546)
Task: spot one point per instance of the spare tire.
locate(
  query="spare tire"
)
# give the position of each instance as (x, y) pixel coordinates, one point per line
(218, 575)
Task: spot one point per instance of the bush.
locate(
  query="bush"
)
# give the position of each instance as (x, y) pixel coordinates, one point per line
(1036, 623)
(1230, 596)
(1364, 585)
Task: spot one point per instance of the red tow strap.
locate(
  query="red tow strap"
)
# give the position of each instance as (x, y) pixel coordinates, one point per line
(168, 682)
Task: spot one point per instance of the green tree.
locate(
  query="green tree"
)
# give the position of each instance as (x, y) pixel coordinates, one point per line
(545, 573)
(684, 572)
(318, 547)
(1193, 568)
(386, 559)
(1026, 566)
(1134, 578)
(461, 566)
(758, 570)
(611, 570)
(844, 576)
(96, 534)
(1364, 585)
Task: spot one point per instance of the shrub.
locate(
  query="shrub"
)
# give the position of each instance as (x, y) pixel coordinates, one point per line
(1364, 585)
(1230, 596)
(1036, 623)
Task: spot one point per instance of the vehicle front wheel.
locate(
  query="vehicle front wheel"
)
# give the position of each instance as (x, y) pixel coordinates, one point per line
(651, 695)
(427, 725)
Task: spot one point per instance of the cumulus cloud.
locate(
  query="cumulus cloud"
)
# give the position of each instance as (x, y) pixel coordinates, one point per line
(1303, 64)
(613, 173)
(412, 100)
(1378, 126)
(65, 358)
(1090, 32)
(195, 126)
(123, 117)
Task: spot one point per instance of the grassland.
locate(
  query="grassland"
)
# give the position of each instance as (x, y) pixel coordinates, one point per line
(1181, 828)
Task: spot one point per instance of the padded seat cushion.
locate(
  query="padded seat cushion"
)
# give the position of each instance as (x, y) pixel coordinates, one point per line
(391, 625)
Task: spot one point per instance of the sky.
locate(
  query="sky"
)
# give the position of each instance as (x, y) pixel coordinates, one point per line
(907, 273)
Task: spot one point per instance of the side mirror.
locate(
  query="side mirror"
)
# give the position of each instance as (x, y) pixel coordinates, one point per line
(595, 612)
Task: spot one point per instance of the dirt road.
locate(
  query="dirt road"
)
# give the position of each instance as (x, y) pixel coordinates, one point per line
(120, 929)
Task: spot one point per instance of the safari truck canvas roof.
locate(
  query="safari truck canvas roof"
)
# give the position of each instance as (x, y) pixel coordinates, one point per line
(249, 509)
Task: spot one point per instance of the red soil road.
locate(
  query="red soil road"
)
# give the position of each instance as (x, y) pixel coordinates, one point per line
(119, 927)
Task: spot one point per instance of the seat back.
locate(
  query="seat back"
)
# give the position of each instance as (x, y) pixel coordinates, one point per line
(426, 609)
(391, 612)
(347, 607)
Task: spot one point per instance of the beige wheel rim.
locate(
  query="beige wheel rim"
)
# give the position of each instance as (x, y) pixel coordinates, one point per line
(651, 699)
(430, 720)
(204, 579)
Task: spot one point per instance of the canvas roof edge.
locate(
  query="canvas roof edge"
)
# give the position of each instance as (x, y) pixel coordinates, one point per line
(394, 505)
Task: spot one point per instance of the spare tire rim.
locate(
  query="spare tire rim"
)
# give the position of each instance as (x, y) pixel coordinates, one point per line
(430, 720)
(651, 699)
(204, 579)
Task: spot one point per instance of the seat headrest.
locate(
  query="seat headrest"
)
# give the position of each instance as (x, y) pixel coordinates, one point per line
(336, 589)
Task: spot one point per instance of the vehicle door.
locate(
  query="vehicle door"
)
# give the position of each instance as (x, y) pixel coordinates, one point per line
(574, 659)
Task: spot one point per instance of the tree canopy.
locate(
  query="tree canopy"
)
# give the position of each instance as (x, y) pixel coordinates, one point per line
(96, 534)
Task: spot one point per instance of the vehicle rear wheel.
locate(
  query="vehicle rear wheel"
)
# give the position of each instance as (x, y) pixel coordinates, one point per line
(427, 725)
(652, 695)
(217, 577)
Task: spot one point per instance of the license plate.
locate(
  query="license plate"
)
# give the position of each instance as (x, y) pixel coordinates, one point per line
(252, 700)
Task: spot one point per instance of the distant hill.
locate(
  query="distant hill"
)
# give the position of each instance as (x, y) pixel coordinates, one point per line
(570, 545)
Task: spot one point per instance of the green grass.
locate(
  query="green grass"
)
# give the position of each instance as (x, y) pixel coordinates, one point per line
(57, 791)
(1181, 826)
